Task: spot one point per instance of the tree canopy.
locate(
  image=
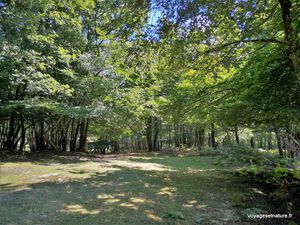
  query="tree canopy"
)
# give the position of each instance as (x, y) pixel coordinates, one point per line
(147, 74)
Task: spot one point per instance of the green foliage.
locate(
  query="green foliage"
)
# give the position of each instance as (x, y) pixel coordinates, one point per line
(253, 211)
(200, 63)
(243, 155)
(237, 199)
(174, 215)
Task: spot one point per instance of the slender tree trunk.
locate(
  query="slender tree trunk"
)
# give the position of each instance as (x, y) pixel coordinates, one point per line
(169, 136)
(260, 142)
(149, 134)
(152, 133)
(183, 132)
(270, 145)
(176, 139)
(12, 128)
(83, 135)
(74, 134)
(23, 135)
(213, 136)
(279, 142)
(42, 143)
(200, 137)
(236, 133)
(188, 136)
(252, 144)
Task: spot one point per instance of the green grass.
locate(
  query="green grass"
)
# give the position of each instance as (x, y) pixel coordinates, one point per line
(142, 189)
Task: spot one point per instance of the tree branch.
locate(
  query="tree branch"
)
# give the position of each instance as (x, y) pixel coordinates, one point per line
(220, 47)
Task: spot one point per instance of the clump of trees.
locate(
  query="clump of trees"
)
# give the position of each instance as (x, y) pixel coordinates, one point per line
(57, 66)
(147, 75)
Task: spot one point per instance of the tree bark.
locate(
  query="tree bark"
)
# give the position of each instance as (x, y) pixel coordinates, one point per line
(279, 142)
(252, 144)
(270, 144)
(290, 36)
(83, 135)
(200, 137)
(236, 133)
(213, 136)
(152, 133)
(176, 136)
(23, 135)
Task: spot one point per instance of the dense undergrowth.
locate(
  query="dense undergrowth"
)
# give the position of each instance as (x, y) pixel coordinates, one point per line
(278, 177)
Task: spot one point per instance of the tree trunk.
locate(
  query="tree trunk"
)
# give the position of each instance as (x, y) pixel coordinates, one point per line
(200, 137)
(176, 139)
(183, 133)
(236, 133)
(152, 133)
(189, 140)
(23, 135)
(252, 144)
(260, 142)
(279, 142)
(213, 136)
(83, 135)
(270, 145)
(290, 36)
(74, 134)
(169, 136)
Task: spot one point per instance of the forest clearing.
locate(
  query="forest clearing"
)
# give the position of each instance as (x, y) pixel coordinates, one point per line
(129, 189)
(149, 112)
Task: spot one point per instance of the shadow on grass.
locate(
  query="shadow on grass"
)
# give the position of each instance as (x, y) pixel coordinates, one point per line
(138, 190)
(122, 196)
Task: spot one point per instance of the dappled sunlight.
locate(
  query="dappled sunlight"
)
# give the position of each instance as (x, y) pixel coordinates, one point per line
(76, 208)
(192, 170)
(151, 215)
(97, 184)
(104, 196)
(138, 165)
(13, 187)
(257, 191)
(48, 175)
(92, 167)
(26, 173)
(194, 204)
(120, 198)
(129, 205)
(113, 190)
(138, 200)
(144, 158)
(169, 191)
(52, 177)
(109, 199)
(190, 204)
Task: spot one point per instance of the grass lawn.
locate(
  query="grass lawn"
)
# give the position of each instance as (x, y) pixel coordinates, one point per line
(127, 189)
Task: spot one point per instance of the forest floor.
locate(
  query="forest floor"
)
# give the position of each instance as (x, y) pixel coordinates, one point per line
(126, 189)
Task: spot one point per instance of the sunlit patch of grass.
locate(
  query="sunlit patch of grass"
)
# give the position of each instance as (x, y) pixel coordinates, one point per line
(169, 191)
(138, 200)
(124, 190)
(190, 203)
(129, 205)
(25, 173)
(146, 166)
(76, 208)
(192, 163)
(151, 215)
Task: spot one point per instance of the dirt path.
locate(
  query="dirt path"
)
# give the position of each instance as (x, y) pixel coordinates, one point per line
(117, 190)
